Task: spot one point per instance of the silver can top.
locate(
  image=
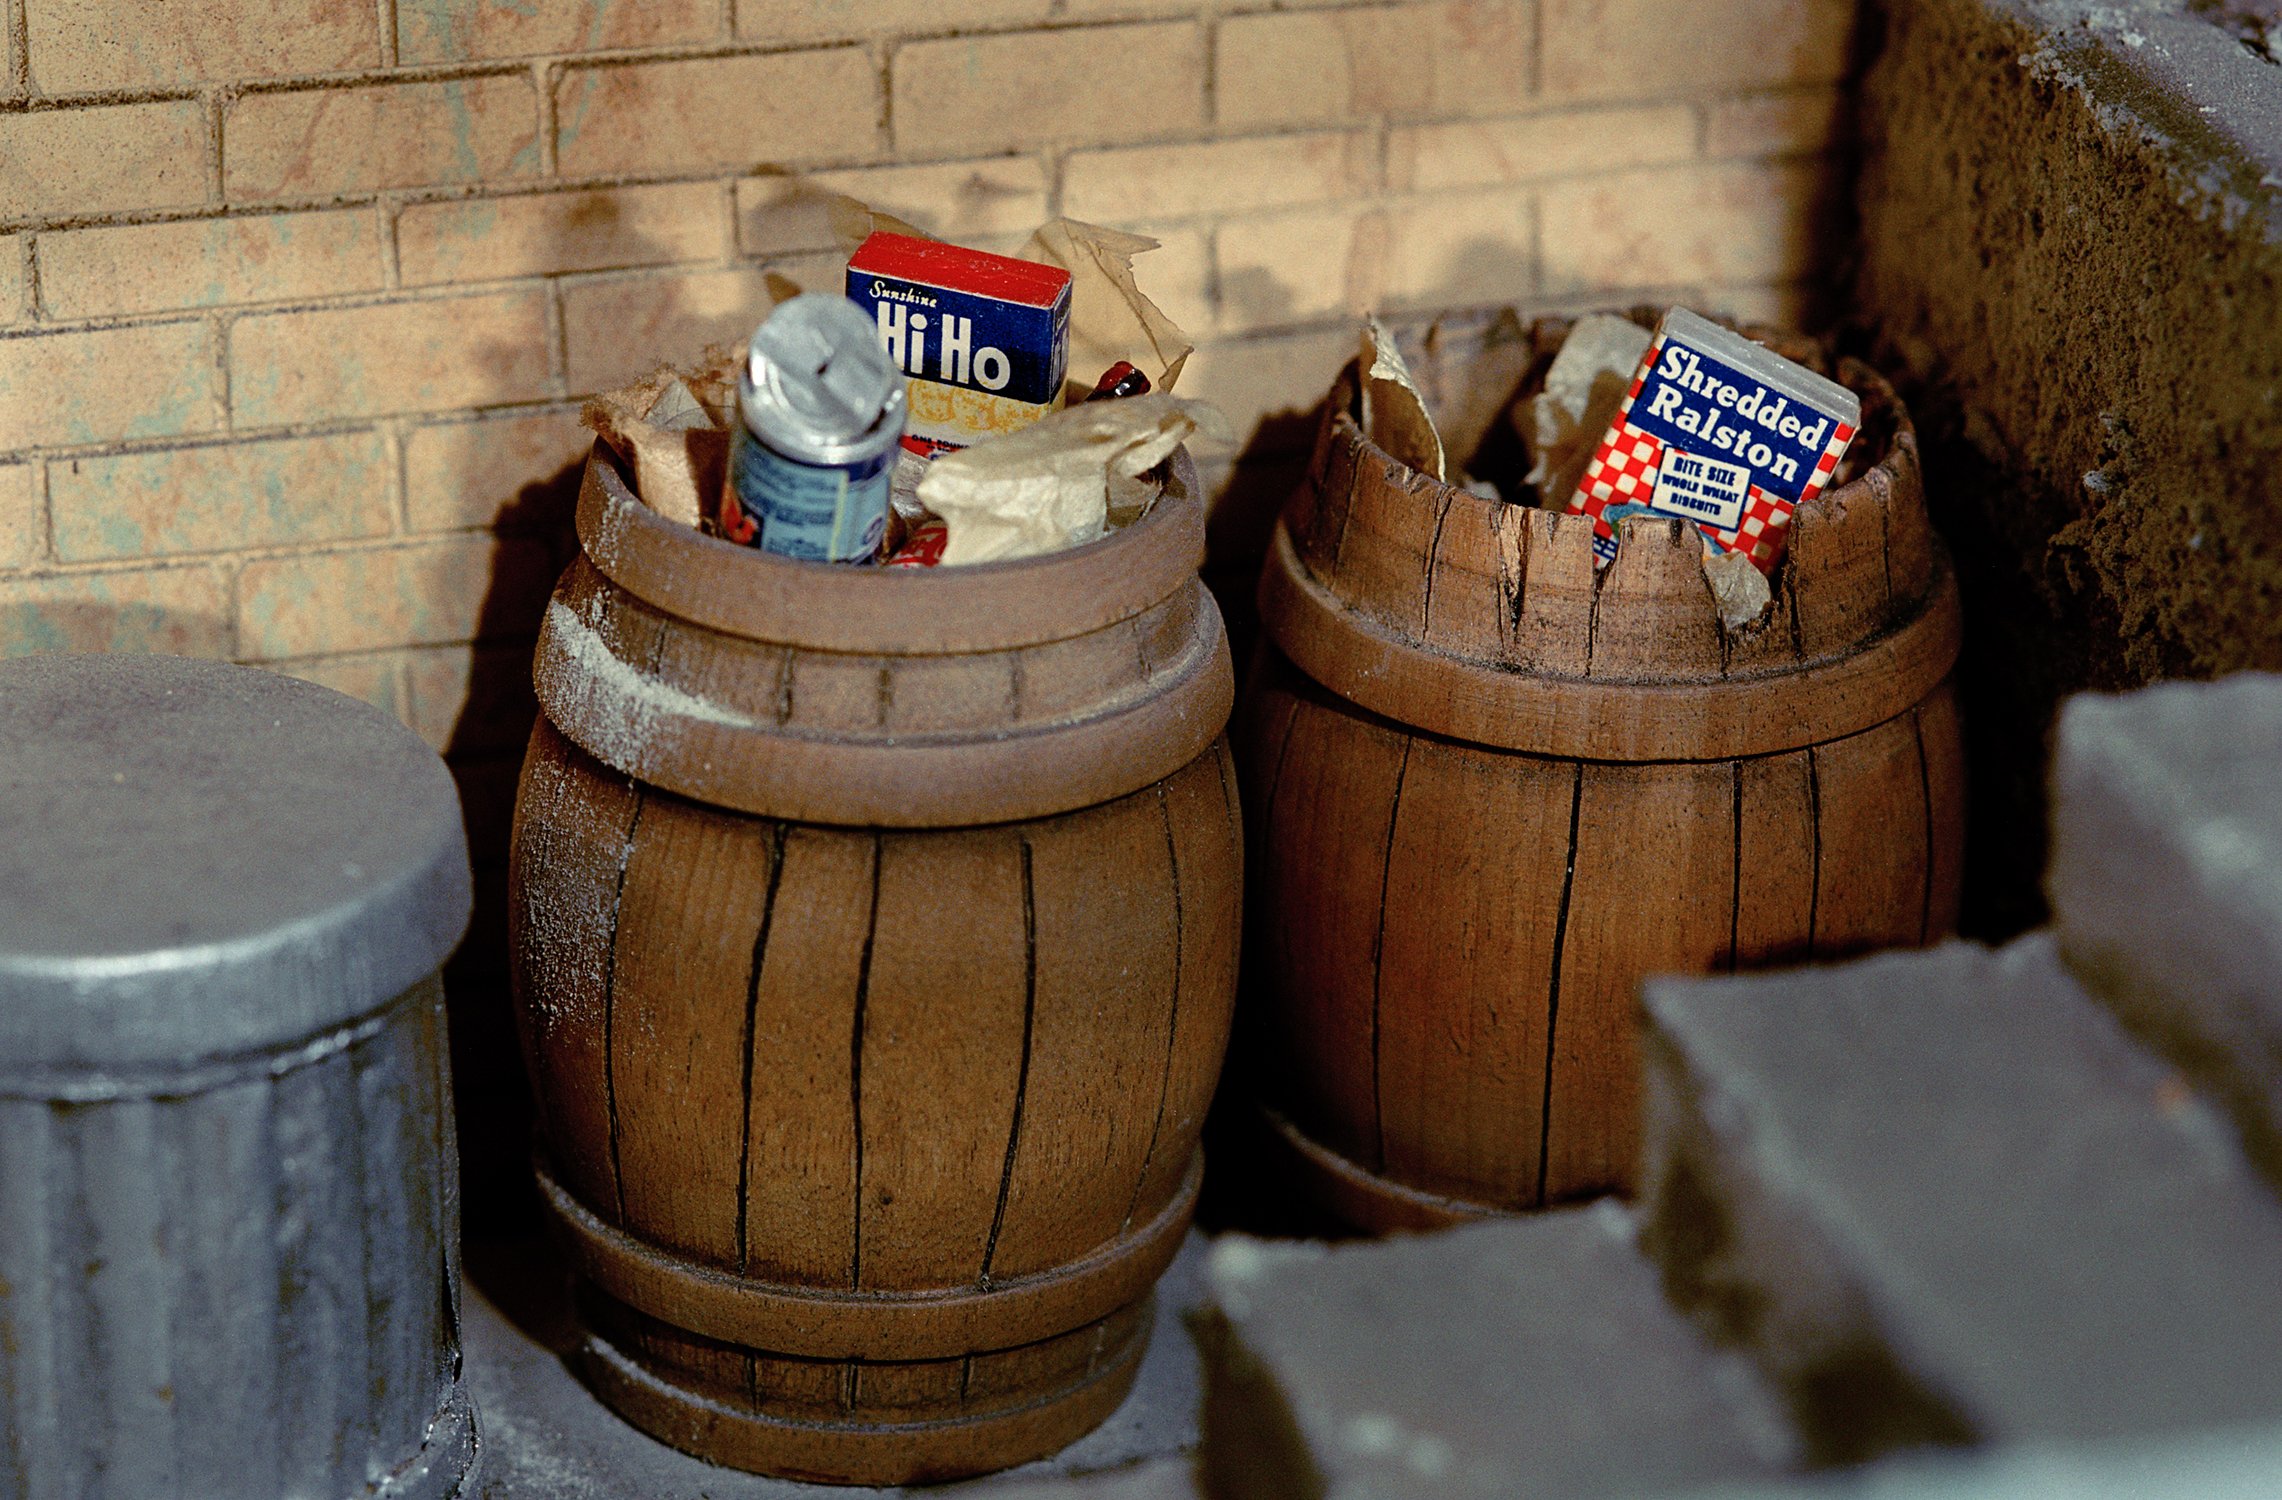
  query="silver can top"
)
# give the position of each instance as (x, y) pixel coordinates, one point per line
(817, 386)
(199, 860)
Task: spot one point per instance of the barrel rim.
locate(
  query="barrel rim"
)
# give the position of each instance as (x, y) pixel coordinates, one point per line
(818, 1323)
(1613, 720)
(856, 1451)
(930, 779)
(992, 606)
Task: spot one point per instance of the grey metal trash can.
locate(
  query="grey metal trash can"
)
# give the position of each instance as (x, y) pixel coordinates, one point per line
(229, 1198)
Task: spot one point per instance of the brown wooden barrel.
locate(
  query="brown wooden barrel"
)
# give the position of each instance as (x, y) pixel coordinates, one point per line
(1489, 791)
(875, 939)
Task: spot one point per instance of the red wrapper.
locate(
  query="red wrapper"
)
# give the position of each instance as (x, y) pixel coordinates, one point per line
(925, 547)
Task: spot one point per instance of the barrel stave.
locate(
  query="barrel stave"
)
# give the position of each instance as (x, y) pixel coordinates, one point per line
(1653, 855)
(1467, 945)
(1200, 808)
(800, 1173)
(571, 840)
(1100, 899)
(1337, 769)
(1871, 866)
(1775, 870)
(695, 894)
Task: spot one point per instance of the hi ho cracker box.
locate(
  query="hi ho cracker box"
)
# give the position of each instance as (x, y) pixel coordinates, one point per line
(1721, 431)
(983, 338)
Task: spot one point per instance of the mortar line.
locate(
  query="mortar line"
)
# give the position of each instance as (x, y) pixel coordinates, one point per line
(387, 211)
(220, 325)
(558, 340)
(19, 28)
(216, 105)
(34, 313)
(45, 500)
(545, 76)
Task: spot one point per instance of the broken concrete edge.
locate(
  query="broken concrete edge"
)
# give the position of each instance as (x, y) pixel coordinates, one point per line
(2179, 83)
(2169, 910)
(1720, 1235)
(2228, 1464)
(1531, 1353)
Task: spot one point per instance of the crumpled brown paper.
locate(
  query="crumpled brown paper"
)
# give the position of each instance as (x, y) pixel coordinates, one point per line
(673, 427)
(1737, 586)
(1063, 480)
(1562, 424)
(1394, 414)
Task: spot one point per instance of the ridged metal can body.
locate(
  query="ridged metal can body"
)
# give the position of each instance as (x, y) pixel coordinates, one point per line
(229, 1205)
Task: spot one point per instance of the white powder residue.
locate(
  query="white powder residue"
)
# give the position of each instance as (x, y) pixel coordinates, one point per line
(619, 712)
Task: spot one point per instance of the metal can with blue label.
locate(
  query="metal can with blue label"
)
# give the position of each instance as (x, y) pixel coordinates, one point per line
(821, 410)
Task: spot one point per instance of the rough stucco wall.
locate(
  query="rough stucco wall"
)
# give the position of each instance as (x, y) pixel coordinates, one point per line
(2072, 245)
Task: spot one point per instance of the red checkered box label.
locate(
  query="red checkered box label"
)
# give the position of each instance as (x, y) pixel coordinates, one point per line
(1754, 452)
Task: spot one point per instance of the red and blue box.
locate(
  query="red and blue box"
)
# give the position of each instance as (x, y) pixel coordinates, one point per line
(984, 339)
(1720, 431)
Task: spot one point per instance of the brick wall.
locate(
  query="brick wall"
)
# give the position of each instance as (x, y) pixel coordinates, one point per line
(297, 301)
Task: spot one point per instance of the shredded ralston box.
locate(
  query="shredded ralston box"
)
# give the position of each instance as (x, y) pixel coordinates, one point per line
(1720, 431)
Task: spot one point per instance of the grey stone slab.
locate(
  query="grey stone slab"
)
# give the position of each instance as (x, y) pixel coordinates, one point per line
(2166, 878)
(1943, 1197)
(546, 1437)
(2234, 1464)
(1516, 1358)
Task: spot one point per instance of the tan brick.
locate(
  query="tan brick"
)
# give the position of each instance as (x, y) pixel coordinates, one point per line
(23, 526)
(739, 112)
(1727, 225)
(1268, 387)
(374, 677)
(1791, 306)
(1455, 57)
(379, 136)
(506, 472)
(837, 20)
(1491, 153)
(1644, 49)
(530, 234)
(1125, 184)
(1095, 83)
(12, 282)
(981, 203)
(219, 497)
(408, 356)
(60, 388)
(87, 273)
(179, 611)
(81, 45)
(1299, 266)
(1793, 121)
(434, 592)
(1471, 251)
(432, 31)
(55, 162)
(617, 329)
(472, 700)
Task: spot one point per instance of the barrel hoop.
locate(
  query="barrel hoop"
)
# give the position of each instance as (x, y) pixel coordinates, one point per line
(858, 1451)
(885, 1325)
(719, 756)
(1029, 601)
(1576, 718)
(1360, 1196)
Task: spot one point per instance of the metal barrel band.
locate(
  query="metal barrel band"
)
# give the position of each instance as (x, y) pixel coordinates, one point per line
(877, 1453)
(883, 1325)
(1580, 718)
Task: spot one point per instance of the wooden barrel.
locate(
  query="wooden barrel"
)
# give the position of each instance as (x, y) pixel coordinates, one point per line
(875, 938)
(1489, 791)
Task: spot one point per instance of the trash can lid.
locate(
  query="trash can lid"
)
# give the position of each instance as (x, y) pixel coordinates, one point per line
(199, 860)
